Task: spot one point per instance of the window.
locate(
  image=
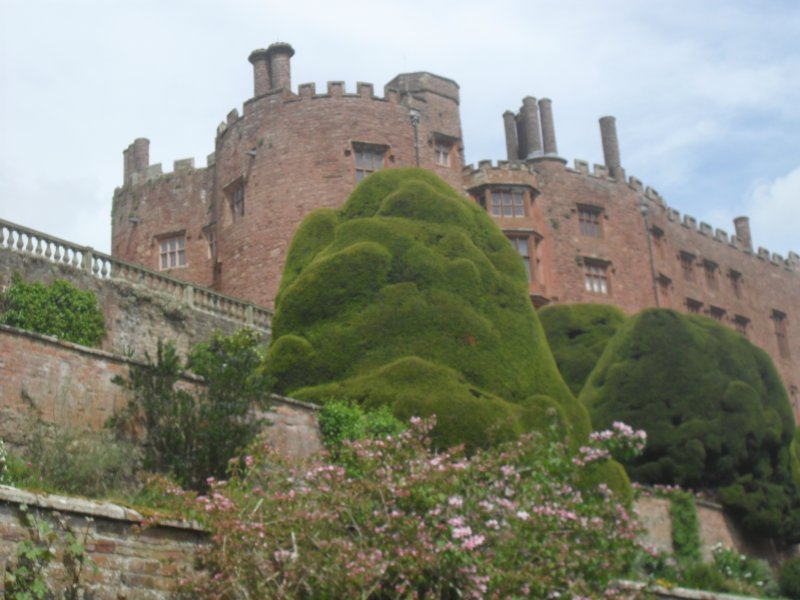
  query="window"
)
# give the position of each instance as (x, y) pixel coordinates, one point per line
(442, 154)
(172, 253)
(657, 234)
(368, 159)
(693, 306)
(235, 194)
(716, 313)
(508, 203)
(595, 277)
(779, 319)
(741, 324)
(589, 219)
(211, 238)
(522, 245)
(710, 269)
(736, 283)
(664, 286)
(687, 265)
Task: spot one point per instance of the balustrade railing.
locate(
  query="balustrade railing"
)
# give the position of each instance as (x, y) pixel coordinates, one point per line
(16, 238)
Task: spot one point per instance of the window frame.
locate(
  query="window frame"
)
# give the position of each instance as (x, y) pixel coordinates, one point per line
(736, 283)
(376, 156)
(687, 262)
(512, 198)
(780, 321)
(694, 307)
(596, 276)
(171, 251)
(710, 270)
(590, 221)
(741, 324)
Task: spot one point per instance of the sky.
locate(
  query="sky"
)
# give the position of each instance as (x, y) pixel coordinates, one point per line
(706, 94)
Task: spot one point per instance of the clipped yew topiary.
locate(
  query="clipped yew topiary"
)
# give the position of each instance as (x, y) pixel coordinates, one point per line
(409, 296)
(578, 334)
(715, 411)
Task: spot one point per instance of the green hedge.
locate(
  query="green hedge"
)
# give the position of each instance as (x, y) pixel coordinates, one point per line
(410, 296)
(715, 411)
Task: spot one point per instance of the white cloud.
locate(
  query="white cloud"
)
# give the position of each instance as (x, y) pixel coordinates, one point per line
(774, 207)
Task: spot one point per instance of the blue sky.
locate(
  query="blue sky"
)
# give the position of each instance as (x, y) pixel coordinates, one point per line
(706, 94)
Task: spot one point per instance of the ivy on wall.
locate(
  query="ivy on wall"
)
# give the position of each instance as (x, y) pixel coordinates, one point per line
(59, 309)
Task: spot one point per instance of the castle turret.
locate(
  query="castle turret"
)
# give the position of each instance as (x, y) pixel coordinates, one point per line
(136, 158)
(742, 225)
(608, 133)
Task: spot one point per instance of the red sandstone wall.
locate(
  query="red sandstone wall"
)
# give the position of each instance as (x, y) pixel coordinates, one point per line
(171, 205)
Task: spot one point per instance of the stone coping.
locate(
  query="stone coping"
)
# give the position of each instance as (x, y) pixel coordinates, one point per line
(677, 593)
(86, 507)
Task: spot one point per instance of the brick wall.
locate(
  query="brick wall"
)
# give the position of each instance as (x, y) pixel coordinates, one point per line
(130, 562)
(68, 385)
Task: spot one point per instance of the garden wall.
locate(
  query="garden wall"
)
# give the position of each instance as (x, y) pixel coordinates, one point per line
(715, 528)
(68, 385)
(130, 562)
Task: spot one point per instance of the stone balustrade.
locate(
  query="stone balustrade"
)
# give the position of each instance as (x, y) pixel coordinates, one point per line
(16, 238)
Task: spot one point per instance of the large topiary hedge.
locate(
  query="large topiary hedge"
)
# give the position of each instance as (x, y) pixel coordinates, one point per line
(715, 411)
(410, 296)
(578, 334)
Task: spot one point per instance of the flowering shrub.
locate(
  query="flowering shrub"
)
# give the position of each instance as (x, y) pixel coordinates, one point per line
(401, 521)
(744, 574)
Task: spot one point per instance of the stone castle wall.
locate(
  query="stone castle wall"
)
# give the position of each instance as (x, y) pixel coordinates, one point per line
(290, 153)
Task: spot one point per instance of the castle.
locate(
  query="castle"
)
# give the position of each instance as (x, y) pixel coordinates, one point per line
(584, 235)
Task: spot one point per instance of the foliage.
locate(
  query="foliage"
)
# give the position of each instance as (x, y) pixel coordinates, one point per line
(342, 421)
(789, 578)
(24, 577)
(402, 521)
(66, 461)
(714, 407)
(411, 297)
(4, 478)
(685, 527)
(743, 574)
(578, 334)
(194, 435)
(59, 309)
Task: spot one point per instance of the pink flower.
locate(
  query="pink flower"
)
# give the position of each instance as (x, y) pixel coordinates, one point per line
(455, 501)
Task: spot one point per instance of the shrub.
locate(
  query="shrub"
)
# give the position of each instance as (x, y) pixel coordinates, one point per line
(685, 527)
(60, 309)
(401, 521)
(411, 297)
(717, 415)
(194, 436)
(345, 421)
(578, 334)
(68, 461)
(789, 578)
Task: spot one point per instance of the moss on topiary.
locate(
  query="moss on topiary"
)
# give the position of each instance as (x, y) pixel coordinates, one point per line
(715, 411)
(409, 296)
(578, 334)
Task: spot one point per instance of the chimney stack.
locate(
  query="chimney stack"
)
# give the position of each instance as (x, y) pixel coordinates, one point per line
(548, 127)
(742, 225)
(141, 154)
(512, 145)
(608, 133)
(280, 68)
(529, 115)
(261, 80)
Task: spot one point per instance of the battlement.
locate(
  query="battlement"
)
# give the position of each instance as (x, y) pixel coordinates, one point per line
(497, 166)
(144, 173)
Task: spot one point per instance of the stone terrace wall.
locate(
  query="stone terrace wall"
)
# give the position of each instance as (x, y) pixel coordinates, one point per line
(140, 306)
(59, 383)
(715, 528)
(68, 385)
(131, 563)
